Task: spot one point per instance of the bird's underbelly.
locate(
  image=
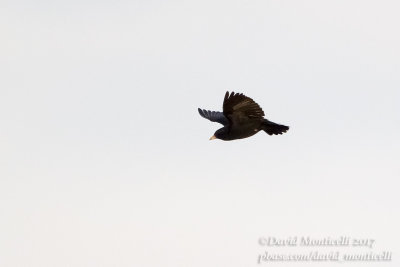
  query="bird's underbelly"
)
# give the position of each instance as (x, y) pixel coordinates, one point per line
(244, 131)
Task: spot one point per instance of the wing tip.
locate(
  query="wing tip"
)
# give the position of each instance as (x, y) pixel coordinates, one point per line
(200, 112)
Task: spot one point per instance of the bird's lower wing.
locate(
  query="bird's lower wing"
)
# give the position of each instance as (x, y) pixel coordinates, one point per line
(214, 116)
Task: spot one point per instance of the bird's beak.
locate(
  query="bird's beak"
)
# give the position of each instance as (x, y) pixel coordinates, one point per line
(213, 137)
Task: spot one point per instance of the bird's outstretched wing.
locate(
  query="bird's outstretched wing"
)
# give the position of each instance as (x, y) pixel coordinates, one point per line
(214, 116)
(239, 105)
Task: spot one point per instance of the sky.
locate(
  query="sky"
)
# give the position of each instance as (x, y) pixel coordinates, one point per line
(105, 161)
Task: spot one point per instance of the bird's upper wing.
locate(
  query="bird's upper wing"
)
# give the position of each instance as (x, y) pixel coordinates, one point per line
(240, 106)
(214, 116)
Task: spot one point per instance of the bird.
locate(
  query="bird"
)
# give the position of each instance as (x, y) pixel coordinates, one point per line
(241, 118)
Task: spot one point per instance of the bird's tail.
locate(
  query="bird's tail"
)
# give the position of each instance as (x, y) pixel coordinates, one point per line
(272, 128)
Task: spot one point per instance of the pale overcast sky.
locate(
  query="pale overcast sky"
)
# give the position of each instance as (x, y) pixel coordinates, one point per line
(105, 161)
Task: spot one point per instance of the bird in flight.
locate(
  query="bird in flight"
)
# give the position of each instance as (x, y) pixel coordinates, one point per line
(241, 118)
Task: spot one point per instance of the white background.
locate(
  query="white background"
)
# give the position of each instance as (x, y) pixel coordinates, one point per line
(105, 161)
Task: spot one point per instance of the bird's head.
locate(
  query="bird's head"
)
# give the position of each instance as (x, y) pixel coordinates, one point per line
(220, 134)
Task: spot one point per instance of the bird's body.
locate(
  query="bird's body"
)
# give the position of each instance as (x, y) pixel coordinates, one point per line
(242, 118)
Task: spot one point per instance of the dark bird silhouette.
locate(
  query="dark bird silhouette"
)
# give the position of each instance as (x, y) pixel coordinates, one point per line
(242, 118)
